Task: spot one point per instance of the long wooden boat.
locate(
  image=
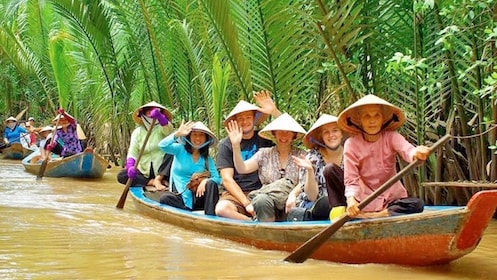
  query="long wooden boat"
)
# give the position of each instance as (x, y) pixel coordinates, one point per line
(438, 235)
(16, 151)
(86, 164)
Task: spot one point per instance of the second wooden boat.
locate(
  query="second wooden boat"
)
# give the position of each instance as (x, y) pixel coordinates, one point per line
(86, 164)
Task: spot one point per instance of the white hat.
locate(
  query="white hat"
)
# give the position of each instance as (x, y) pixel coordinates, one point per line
(284, 122)
(10, 119)
(244, 106)
(46, 128)
(137, 113)
(313, 133)
(348, 120)
(199, 126)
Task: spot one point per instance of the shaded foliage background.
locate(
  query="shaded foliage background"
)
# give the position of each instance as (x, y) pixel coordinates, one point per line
(100, 60)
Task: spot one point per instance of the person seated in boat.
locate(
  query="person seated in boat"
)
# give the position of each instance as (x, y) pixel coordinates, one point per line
(190, 147)
(321, 173)
(45, 134)
(13, 132)
(31, 137)
(370, 156)
(277, 170)
(65, 142)
(234, 202)
(152, 169)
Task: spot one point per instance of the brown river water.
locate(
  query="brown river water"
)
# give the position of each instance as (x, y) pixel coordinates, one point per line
(58, 228)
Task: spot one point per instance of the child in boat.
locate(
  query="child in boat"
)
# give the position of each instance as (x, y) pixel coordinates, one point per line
(234, 202)
(190, 147)
(370, 156)
(321, 173)
(277, 170)
(153, 167)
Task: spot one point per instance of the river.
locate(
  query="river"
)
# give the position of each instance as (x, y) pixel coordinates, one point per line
(58, 228)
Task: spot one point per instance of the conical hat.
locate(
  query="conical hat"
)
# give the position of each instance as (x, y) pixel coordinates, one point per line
(46, 128)
(54, 120)
(313, 133)
(284, 122)
(10, 119)
(136, 113)
(244, 106)
(199, 126)
(348, 120)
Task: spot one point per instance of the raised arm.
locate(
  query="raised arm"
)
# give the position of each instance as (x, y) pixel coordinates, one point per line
(235, 134)
(266, 103)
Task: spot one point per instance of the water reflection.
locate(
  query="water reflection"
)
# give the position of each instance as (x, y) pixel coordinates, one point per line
(67, 228)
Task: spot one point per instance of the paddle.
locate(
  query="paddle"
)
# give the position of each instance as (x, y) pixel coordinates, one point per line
(122, 199)
(45, 161)
(309, 247)
(19, 116)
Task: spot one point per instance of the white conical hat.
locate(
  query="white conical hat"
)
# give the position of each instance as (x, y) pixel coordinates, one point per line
(137, 112)
(199, 126)
(313, 133)
(10, 119)
(46, 128)
(244, 106)
(284, 122)
(348, 120)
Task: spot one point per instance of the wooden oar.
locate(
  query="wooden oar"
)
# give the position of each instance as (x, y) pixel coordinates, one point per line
(122, 199)
(309, 247)
(44, 163)
(19, 116)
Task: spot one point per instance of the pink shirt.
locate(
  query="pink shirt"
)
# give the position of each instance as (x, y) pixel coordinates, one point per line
(374, 164)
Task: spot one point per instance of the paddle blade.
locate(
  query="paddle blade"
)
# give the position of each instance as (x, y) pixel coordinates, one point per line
(122, 199)
(42, 169)
(305, 250)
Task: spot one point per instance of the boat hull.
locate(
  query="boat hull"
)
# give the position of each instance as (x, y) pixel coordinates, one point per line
(83, 165)
(439, 235)
(16, 151)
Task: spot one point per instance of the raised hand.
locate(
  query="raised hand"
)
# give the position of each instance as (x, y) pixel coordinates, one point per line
(184, 129)
(266, 103)
(234, 132)
(303, 162)
(159, 116)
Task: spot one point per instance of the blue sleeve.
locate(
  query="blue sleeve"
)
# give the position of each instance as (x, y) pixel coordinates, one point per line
(169, 145)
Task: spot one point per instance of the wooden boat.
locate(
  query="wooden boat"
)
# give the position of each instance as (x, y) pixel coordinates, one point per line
(86, 164)
(438, 235)
(16, 151)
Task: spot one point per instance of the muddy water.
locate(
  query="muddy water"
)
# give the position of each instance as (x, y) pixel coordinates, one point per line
(70, 229)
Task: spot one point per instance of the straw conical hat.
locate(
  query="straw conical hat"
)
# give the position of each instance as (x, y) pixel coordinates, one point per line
(136, 113)
(54, 120)
(199, 126)
(244, 106)
(348, 120)
(314, 134)
(10, 119)
(284, 122)
(46, 128)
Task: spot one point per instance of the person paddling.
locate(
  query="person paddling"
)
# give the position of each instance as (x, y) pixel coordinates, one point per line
(370, 156)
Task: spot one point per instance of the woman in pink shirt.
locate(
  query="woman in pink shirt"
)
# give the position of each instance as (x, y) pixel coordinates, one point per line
(370, 157)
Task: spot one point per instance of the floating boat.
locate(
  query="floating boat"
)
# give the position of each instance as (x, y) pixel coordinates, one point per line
(16, 151)
(438, 235)
(86, 164)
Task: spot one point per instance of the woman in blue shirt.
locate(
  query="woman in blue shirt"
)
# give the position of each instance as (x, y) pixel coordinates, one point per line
(190, 147)
(13, 132)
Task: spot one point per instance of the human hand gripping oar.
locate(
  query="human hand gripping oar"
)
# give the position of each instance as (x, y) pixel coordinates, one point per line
(309, 247)
(44, 163)
(122, 199)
